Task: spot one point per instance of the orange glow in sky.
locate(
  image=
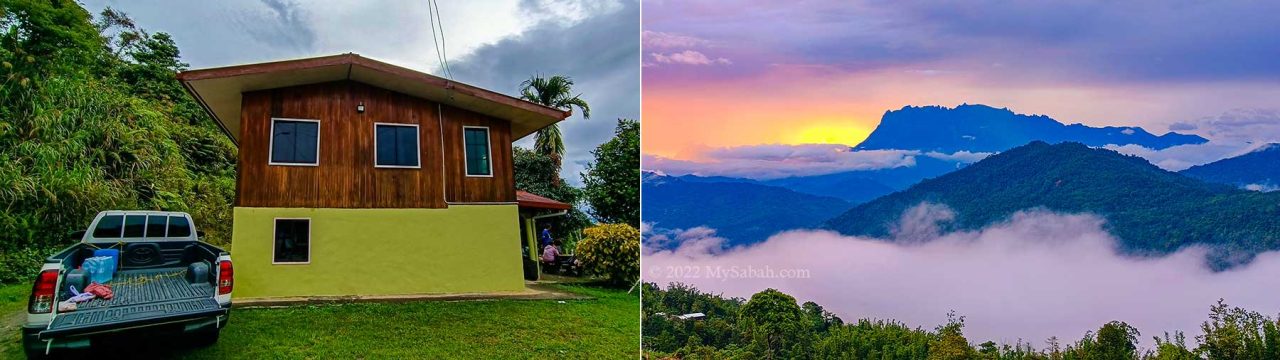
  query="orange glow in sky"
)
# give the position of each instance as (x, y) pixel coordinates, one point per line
(684, 118)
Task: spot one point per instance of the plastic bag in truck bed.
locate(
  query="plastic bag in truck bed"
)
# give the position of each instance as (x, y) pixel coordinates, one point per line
(100, 268)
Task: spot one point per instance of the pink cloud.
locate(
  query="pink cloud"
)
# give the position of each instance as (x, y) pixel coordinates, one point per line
(688, 57)
(762, 162)
(662, 40)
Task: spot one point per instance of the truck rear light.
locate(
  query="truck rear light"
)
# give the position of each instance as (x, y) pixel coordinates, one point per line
(226, 277)
(43, 292)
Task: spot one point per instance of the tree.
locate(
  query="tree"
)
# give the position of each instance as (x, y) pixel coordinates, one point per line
(1116, 340)
(537, 173)
(613, 181)
(93, 119)
(775, 326)
(555, 92)
(1235, 333)
(950, 343)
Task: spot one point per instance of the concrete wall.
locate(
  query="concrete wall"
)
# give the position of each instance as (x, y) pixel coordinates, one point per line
(460, 249)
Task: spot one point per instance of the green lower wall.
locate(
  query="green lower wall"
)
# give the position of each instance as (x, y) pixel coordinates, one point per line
(462, 249)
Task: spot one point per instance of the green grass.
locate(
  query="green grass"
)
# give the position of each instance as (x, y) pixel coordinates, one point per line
(605, 327)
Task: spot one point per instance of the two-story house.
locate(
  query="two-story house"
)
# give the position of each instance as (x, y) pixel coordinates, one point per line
(357, 177)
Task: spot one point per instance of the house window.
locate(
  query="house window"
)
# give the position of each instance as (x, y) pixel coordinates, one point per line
(476, 145)
(292, 242)
(295, 142)
(396, 144)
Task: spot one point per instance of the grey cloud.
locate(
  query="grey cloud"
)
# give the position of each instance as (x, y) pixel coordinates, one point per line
(284, 24)
(600, 53)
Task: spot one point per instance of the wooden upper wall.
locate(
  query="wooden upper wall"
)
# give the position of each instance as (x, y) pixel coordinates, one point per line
(346, 176)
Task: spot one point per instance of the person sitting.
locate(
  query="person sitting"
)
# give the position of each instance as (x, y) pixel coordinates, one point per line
(550, 252)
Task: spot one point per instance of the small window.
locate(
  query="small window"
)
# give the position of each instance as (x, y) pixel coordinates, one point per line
(109, 226)
(156, 225)
(134, 225)
(293, 241)
(179, 226)
(397, 145)
(294, 142)
(476, 140)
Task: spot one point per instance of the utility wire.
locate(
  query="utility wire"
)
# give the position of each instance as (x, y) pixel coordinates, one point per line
(442, 54)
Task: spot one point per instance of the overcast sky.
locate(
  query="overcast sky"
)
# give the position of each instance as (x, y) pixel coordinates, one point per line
(492, 44)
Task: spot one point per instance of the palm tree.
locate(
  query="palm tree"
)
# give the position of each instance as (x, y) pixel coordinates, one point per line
(553, 92)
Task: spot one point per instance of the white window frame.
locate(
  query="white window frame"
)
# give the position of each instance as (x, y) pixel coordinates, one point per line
(271, 143)
(488, 135)
(417, 144)
(310, 241)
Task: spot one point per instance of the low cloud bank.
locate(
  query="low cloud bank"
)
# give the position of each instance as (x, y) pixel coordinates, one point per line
(1036, 276)
(1181, 157)
(1232, 133)
(763, 162)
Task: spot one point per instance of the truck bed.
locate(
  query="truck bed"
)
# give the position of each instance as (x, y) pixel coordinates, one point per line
(133, 287)
(140, 297)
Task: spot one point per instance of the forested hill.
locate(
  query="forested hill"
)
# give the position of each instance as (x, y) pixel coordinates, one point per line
(1151, 211)
(1259, 169)
(981, 128)
(741, 212)
(92, 118)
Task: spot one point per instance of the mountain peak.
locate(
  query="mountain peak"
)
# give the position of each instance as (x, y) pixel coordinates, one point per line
(984, 128)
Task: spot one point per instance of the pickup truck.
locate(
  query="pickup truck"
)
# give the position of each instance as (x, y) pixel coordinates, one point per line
(166, 281)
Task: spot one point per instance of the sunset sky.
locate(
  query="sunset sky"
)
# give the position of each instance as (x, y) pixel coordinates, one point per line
(720, 75)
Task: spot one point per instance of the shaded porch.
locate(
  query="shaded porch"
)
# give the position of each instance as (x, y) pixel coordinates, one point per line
(535, 207)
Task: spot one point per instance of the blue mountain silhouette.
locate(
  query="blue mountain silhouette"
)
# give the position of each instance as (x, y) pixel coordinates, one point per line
(981, 128)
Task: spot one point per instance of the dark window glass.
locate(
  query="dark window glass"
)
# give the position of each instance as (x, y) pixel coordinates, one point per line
(477, 144)
(397, 145)
(293, 240)
(178, 226)
(294, 142)
(134, 225)
(156, 225)
(109, 226)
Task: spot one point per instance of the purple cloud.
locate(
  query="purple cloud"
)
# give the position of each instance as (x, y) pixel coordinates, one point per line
(660, 40)
(774, 161)
(688, 57)
(1064, 41)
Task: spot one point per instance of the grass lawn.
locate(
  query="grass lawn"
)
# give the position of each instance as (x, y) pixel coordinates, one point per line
(606, 327)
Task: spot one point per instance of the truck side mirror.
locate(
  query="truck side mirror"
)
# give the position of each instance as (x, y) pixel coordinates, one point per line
(76, 235)
(199, 234)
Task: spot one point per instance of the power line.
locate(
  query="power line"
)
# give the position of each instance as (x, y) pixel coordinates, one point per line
(442, 52)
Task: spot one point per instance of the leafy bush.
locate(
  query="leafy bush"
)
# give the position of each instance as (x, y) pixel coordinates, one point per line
(611, 250)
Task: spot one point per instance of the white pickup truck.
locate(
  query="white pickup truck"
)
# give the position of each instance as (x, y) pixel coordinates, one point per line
(166, 281)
